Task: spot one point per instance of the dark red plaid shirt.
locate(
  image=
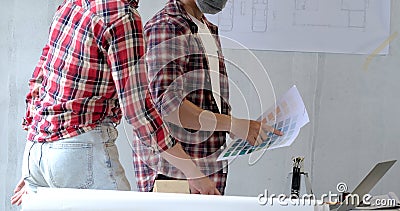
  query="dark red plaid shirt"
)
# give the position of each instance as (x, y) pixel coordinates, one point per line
(91, 69)
(178, 69)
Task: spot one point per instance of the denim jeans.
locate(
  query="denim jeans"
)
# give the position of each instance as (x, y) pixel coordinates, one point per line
(86, 161)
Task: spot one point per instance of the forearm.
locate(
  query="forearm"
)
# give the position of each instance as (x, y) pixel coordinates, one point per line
(181, 160)
(190, 116)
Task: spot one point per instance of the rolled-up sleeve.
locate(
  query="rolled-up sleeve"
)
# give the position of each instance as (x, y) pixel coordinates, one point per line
(167, 58)
(125, 49)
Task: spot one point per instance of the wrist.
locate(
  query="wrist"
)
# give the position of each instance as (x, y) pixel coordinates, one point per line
(208, 121)
(224, 122)
(192, 172)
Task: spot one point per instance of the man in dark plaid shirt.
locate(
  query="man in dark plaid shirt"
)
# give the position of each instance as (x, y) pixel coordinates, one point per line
(181, 81)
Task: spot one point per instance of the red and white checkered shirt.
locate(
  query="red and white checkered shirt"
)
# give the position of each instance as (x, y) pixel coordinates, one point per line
(178, 69)
(91, 69)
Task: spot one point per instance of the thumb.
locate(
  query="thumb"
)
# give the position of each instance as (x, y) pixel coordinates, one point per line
(264, 121)
(20, 184)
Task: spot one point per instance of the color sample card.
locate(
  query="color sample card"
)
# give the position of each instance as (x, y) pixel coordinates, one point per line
(289, 116)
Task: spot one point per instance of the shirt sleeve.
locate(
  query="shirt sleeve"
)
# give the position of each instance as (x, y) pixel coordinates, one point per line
(34, 85)
(167, 57)
(125, 51)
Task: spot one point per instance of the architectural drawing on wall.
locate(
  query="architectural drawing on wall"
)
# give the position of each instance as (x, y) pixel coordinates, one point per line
(357, 10)
(243, 8)
(351, 26)
(343, 13)
(260, 15)
(308, 5)
(225, 18)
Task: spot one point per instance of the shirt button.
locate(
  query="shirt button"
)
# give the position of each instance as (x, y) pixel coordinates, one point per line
(222, 147)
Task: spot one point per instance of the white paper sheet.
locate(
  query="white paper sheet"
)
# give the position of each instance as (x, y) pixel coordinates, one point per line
(289, 116)
(337, 26)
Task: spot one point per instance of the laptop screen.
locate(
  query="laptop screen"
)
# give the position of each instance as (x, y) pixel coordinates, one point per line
(366, 185)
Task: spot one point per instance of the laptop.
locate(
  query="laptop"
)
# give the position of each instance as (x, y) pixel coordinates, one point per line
(367, 184)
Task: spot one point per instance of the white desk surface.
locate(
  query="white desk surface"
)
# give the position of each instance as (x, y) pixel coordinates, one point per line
(78, 199)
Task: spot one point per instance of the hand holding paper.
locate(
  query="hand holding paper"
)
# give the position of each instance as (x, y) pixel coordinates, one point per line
(287, 116)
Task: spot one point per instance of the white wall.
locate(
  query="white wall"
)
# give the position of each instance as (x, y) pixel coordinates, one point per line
(23, 26)
(353, 111)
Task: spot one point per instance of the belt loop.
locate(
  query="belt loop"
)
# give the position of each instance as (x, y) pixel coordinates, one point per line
(108, 129)
(111, 133)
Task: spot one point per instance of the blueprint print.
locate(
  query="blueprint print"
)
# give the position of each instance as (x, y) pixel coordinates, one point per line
(335, 26)
(344, 13)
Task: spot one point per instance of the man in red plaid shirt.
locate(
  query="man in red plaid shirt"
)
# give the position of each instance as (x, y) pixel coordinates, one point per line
(90, 74)
(189, 85)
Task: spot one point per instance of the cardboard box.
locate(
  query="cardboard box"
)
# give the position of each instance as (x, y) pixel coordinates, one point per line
(171, 186)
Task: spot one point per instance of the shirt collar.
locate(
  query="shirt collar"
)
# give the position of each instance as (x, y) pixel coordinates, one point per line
(175, 8)
(134, 3)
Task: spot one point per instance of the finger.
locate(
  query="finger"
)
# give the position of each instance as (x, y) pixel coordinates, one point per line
(210, 189)
(204, 192)
(19, 195)
(262, 124)
(252, 141)
(21, 183)
(272, 130)
(17, 188)
(192, 187)
(194, 191)
(264, 121)
(19, 202)
(259, 141)
(14, 201)
(277, 132)
(16, 197)
(268, 128)
(263, 135)
(216, 192)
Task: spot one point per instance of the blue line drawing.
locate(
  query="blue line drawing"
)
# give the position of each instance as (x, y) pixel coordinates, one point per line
(225, 18)
(260, 15)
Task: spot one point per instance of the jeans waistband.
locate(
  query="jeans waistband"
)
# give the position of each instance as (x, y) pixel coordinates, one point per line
(107, 122)
(108, 129)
